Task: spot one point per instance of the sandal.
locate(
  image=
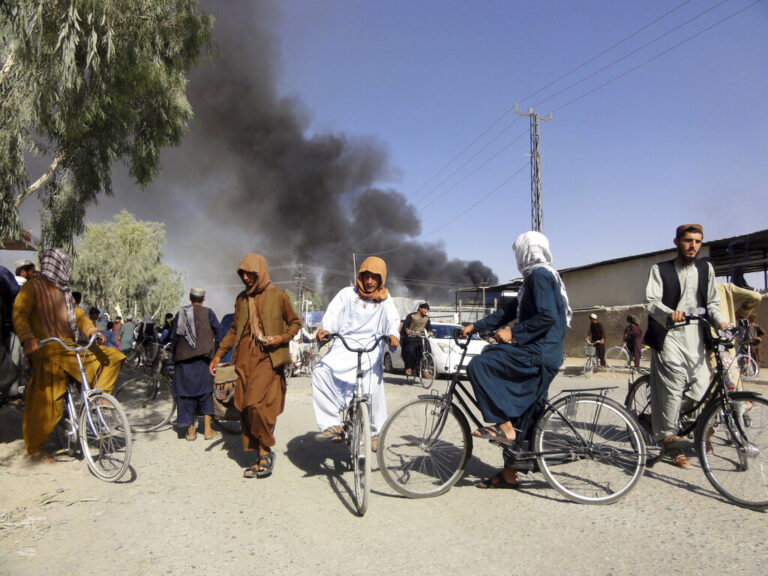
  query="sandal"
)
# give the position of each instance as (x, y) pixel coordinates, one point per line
(332, 433)
(494, 433)
(498, 481)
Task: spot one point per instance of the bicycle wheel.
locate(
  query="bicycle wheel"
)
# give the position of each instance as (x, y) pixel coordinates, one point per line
(747, 366)
(590, 449)
(131, 361)
(645, 354)
(638, 404)
(426, 373)
(424, 447)
(360, 451)
(617, 357)
(732, 442)
(147, 402)
(105, 436)
(588, 366)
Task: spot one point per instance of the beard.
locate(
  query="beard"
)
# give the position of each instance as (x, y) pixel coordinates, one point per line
(684, 258)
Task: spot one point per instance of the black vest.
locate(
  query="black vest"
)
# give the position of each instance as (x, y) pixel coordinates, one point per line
(670, 297)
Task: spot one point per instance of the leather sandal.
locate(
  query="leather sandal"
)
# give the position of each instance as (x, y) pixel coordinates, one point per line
(332, 433)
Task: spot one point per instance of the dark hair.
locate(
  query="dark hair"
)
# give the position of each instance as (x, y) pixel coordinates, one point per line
(191, 299)
(110, 325)
(93, 310)
(77, 296)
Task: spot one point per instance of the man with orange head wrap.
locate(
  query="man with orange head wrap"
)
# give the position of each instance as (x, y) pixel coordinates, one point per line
(264, 324)
(360, 313)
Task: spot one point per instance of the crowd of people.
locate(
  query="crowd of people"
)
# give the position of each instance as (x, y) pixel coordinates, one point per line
(508, 377)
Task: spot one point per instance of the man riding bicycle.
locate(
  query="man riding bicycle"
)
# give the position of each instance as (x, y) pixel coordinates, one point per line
(360, 314)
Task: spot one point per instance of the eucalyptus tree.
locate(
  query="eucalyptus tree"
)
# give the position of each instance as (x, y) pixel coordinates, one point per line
(119, 268)
(85, 84)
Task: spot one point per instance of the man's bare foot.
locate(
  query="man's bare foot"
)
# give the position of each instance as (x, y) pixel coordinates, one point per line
(41, 457)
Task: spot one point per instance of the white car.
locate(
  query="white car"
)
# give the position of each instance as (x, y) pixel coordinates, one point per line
(443, 349)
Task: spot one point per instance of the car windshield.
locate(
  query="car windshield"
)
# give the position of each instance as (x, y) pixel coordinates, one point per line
(445, 331)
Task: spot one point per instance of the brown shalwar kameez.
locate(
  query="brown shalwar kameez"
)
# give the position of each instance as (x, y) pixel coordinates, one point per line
(260, 312)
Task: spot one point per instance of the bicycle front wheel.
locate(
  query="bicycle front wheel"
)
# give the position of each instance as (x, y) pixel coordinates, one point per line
(732, 442)
(588, 366)
(590, 449)
(131, 361)
(617, 357)
(426, 375)
(105, 437)
(147, 402)
(638, 404)
(424, 447)
(747, 366)
(360, 447)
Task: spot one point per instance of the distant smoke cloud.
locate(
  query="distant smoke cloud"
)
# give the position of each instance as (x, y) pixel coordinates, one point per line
(248, 179)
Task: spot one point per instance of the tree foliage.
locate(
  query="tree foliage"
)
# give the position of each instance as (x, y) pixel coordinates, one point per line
(119, 268)
(83, 84)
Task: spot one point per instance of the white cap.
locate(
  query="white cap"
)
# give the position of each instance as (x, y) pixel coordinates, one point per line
(197, 292)
(593, 316)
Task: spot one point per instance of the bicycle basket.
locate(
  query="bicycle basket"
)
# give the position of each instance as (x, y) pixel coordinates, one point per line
(589, 349)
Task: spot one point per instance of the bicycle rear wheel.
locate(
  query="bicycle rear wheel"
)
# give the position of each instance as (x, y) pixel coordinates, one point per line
(590, 449)
(105, 436)
(360, 448)
(617, 357)
(147, 402)
(426, 374)
(424, 447)
(732, 442)
(638, 404)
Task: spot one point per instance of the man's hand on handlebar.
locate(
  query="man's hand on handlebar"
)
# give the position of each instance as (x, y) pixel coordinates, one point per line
(467, 330)
(394, 342)
(322, 335)
(31, 346)
(677, 316)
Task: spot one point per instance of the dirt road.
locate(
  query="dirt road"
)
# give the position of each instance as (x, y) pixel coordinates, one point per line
(186, 509)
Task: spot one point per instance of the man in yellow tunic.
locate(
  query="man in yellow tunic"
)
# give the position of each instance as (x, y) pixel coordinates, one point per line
(44, 308)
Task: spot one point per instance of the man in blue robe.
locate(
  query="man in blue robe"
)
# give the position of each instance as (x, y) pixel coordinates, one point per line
(509, 377)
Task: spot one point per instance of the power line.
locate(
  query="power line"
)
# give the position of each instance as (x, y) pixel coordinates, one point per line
(566, 74)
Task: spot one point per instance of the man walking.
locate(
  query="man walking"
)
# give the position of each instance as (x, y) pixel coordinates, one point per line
(679, 370)
(596, 335)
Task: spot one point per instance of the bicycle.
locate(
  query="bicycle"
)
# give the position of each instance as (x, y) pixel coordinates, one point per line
(747, 366)
(425, 367)
(95, 420)
(587, 446)
(308, 359)
(356, 423)
(149, 401)
(142, 355)
(730, 432)
(620, 357)
(590, 360)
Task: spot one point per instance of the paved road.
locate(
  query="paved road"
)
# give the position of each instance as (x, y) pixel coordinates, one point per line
(187, 510)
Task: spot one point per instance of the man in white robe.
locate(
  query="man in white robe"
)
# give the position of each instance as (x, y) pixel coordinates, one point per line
(360, 314)
(679, 370)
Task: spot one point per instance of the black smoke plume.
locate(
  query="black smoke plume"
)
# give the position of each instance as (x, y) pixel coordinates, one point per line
(248, 166)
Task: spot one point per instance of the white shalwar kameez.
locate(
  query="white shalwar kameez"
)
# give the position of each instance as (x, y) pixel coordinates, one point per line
(333, 379)
(679, 373)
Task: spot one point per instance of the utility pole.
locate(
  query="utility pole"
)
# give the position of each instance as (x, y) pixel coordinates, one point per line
(299, 277)
(537, 215)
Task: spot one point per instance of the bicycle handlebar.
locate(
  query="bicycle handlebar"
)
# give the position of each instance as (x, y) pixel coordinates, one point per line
(372, 347)
(41, 343)
(700, 315)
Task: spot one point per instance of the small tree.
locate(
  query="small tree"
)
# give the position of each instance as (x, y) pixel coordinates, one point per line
(83, 84)
(119, 268)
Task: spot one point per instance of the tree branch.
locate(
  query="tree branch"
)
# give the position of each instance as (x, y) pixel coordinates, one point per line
(40, 181)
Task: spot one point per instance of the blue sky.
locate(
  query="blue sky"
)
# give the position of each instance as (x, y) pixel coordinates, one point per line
(682, 138)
